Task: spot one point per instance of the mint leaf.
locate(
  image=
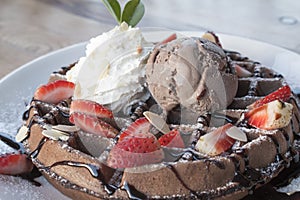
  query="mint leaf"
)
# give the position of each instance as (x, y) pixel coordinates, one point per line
(133, 12)
(114, 8)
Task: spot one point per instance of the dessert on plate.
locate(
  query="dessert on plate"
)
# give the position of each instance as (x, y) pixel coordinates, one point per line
(181, 118)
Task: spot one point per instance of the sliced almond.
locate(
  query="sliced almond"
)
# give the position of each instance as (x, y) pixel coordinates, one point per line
(22, 134)
(157, 121)
(235, 133)
(66, 128)
(55, 135)
(64, 138)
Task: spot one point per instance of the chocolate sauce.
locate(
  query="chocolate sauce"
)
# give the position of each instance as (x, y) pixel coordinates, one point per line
(277, 144)
(114, 182)
(236, 163)
(138, 111)
(227, 118)
(112, 185)
(204, 119)
(10, 141)
(94, 170)
(185, 154)
(31, 176)
(25, 115)
(132, 192)
(287, 137)
(36, 152)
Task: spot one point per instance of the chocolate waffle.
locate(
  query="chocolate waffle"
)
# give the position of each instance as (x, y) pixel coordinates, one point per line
(74, 161)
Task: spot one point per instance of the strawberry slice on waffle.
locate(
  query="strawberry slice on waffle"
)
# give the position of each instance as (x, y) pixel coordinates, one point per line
(141, 125)
(272, 115)
(15, 164)
(135, 150)
(92, 117)
(93, 125)
(282, 94)
(90, 108)
(54, 92)
(216, 141)
(172, 139)
(135, 147)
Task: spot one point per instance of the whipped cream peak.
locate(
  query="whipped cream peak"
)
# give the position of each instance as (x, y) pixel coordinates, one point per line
(112, 72)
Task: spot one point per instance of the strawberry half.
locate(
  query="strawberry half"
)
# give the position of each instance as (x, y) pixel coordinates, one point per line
(282, 94)
(15, 164)
(168, 39)
(135, 150)
(55, 92)
(141, 125)
(215, 142)
(90, 108)
(172, 139)
(93, 125)
(273, 115)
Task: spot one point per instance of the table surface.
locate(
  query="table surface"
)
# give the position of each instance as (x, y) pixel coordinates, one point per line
(31, 28)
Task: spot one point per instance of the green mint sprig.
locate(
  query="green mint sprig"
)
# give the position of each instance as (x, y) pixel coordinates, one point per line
(132, 13)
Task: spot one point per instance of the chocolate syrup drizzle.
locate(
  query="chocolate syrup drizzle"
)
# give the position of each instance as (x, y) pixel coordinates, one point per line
(10, 141)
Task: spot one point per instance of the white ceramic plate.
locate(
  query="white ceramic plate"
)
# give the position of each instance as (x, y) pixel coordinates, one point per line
(17, 88)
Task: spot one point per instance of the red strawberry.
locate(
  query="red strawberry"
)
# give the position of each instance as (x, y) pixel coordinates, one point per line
(90, 108)
(168, 39)
(55, 92)
(273, 115)
(93, 125)
(242, 72)
(135, 150)
(282, 94)
(172, 139)
(141, 125)
(215, 142)
(15, 164)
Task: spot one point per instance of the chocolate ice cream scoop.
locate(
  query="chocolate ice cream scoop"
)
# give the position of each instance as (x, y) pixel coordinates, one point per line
(190, 72)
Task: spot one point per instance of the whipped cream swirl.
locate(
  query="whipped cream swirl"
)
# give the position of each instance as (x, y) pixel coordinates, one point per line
(113, 71)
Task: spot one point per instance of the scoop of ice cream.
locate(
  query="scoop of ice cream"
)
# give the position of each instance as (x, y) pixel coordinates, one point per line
(190, 72)
(112, 72)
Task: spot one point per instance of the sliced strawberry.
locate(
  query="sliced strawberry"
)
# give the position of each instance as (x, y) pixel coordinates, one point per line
(15, 164)
(168, 39)
(273, 115)
(282, 94)
(241, 72)
(135, 150)
(93, 125)
(141, 125)
(55, 92)
(90, 108)
(172, 139)
(215, 142)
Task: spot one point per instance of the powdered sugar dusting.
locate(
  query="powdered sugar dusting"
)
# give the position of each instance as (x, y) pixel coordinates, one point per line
(293, 187)
(11, 187)
(10, 121)
(16, 188)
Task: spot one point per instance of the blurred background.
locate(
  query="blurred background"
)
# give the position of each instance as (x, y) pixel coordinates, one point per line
(31, 28)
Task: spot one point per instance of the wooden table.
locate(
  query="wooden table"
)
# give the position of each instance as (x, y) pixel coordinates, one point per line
(31, 28)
